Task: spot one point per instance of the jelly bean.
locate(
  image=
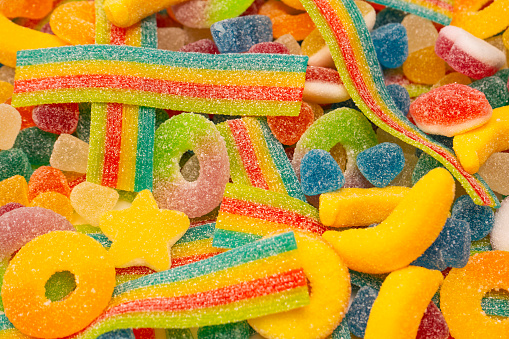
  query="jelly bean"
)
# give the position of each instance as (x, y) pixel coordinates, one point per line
(347, 207)
(417, 219)
(467, 54)
(47, 179)
(391, 44)
(171, 38)
(358, 312)
(33, 9)
(69, 154)
(480, 218)
(14, 190)
(56, 118)
(401, 303)
(382, 163)
(464, 109)
(10, 120)
(36, 144)
(400, 96)
(14, 162)
(330, 282)
(269, 47)
(288, 130)
(320, 173)
(473, 148)
(174, 137)
(74, 22)
(324, 86)
(285, 22)
(27, 307)
(201, 46)
(55, 202)
(495, 90)
(421, 32)
(240, 34)
(141, 235)
(424, 66)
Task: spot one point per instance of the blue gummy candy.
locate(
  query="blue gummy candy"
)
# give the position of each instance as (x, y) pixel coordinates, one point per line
(118, 334)
(400, 96)
(237, 35)
(389, 15)
(239, 330)
(480, 219)
(391, 45)
(320, 173)
(450, 249)
(358, 313)
(382, 163)
(342, 331)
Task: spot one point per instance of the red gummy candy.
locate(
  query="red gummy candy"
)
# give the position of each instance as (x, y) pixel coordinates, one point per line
(57, 118)
(288, 130)
(269, 48)
(47, 179)
(433, 325)
(450, 110)
(201, 46)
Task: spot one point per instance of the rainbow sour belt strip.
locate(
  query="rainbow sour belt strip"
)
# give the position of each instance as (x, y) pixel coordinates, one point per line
(257, 157)
(249, 213)
(440, 11)
(258, 279)
(349, 41)
(122, 136)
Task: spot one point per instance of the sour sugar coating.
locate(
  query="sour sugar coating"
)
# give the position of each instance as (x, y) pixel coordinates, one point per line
(288, 130)
(284, 21)
(9, 207)
(358, 312)
(382, 163)
(46, 179)
(467, 54)
(57, 118)
(433, 324)
(391, 45)
(74, 22)
(463, 290)
(239, 34)
(450, 110)
(329, 282)
(55, 202)
(320, 173)
(400, 96)
(14, 189)
(495, 90)
(417, 220)
(14, 162)
(174, 137)
(90, 201)
(23, 289)
(482, 22)
(69, 154)
(10, 120)
(33, 9)
(480, 219)
(36, 144)
(324, 86)
(499, 236)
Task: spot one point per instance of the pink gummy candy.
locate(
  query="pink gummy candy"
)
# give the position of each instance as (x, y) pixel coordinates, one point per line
(21, 225)
(57, 118)
(324, 86)
(468, 54)
(201, 46)
(269, 48)
(433, 325)
(450, 110)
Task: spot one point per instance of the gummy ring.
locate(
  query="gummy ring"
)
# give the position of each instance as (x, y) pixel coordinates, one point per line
(23, 290)
(172, 139)
(463, 290)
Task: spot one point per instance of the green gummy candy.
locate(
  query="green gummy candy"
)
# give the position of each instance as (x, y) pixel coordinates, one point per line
(14, 162)
(37, 145)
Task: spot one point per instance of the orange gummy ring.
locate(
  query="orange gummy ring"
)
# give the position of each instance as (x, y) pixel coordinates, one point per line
(23, 290)
(463, 290)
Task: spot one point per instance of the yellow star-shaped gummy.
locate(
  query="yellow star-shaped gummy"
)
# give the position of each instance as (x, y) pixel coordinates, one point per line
(142, 234)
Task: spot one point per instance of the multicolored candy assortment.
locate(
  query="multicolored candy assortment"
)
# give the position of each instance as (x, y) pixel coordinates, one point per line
(136, 203)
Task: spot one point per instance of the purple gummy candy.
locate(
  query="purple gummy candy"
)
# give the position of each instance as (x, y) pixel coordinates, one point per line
(9, 207)
(57, 118)
(201, 46)
(21, 225)
(269, 48)
(433, 325)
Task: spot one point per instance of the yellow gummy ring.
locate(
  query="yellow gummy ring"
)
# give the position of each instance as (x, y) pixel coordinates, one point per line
(23, 290)
(463, 290)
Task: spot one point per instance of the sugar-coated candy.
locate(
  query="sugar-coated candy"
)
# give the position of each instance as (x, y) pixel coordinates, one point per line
(288, 130)
(177, 135)
(495, 90)
(368, 13)
(329, 282)
(453, 77)
(463, 289)
(14, 190)
(46, 179)
(480, 218)
(171, 38)
(10, 120)
(320, 173)
(240, 282)
(7, 74)
(467, 54)
(500, 233)
(481, 21)
(400, 96)
(21, 225)
(290, 43)
(201, 46)
(33, 9)
(36, 144)
(125, 13)
(380, 164)
(142, 234)
(316, 49)
(388, 15)
(17, 38)
(342, 331)
(391, 44)
(69, 154)
(450, 249)
(450, 110)
(323, 86)
(24, 282)
(269, 47)
(433, 324)
(238, 330)
(250, 213)
(358, 312)
(55, 202)
(14, 162)
(74, 22)
(424, 66)
(239, 34)
(474, 147)
(56, 118)
(6, 91)
(418, 219)
(284, 21)
(493, 172)
(420, 32)
(9, 207)
(348, 207)
(401, 303)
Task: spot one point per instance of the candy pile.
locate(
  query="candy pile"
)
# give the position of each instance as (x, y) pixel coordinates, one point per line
(254, 168)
